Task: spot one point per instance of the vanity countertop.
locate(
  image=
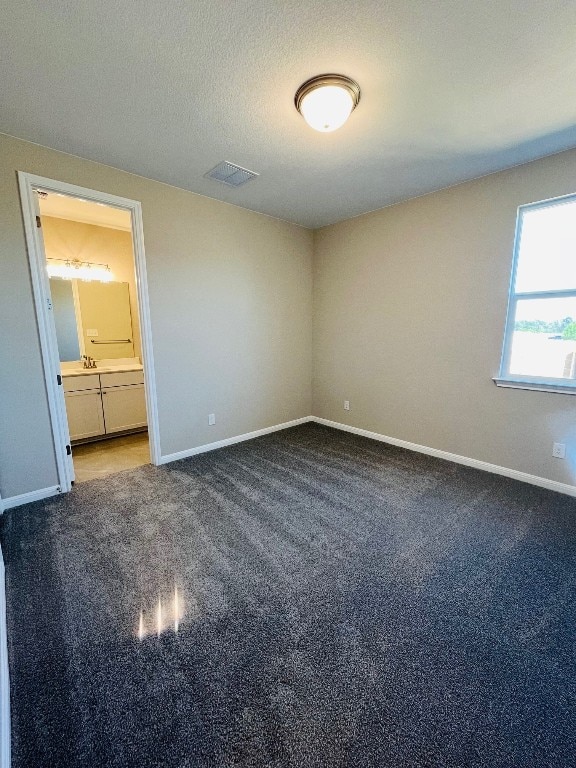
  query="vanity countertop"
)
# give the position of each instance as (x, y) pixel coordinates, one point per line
(105, 369)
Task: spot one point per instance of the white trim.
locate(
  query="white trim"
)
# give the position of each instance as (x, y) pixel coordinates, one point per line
(28, 183)
(514, 296)
(543, 482)
(146, 333)
(5, 735)
(485, 466)
(46, 331)
(563, 293)
(232, 440)
(28, 498)
(536, 386)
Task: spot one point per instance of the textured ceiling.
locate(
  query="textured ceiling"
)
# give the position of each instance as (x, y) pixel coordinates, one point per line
(451, 89)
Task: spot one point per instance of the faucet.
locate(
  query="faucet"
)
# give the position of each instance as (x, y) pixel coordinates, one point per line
(89, 362)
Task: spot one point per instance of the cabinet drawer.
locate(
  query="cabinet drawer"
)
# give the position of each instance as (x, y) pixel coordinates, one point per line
(77, 383)
(121, 379)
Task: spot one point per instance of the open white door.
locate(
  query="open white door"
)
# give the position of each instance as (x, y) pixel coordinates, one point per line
(47, 332)
(29, 184)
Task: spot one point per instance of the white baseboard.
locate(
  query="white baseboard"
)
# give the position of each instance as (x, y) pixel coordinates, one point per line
(543, 482)
(26, 498)
(5, 756)
(232, 440)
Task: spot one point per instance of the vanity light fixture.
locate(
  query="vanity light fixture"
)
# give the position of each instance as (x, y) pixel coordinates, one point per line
(327, 101)
(74, 269)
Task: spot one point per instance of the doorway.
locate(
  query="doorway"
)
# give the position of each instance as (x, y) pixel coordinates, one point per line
(87, 262)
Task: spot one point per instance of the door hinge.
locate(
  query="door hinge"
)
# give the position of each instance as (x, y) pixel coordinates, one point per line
(49, 302)
(59, 379)
(38, 222)
(68, 451)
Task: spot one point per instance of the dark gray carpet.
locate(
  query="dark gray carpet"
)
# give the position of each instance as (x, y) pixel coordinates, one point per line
(343, 603)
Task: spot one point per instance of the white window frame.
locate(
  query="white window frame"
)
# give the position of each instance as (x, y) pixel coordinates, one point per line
(505, 379)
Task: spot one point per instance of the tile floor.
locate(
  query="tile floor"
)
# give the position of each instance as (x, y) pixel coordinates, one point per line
(106, 457)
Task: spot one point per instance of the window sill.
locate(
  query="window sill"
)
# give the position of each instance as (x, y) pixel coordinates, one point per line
(537, 386)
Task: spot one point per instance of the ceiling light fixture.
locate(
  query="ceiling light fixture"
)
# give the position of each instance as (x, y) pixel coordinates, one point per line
(327, 101)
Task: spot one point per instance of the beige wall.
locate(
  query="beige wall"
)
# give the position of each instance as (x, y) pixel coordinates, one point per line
(65, 239)
(230, 303)
(409, 311)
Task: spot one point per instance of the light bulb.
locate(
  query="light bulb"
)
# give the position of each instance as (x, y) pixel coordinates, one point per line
(327, 108)
(106, 276)
(78, 270)
(326, 101)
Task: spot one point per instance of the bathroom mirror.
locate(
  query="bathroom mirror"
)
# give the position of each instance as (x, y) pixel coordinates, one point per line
(65, 319)
(92, 318)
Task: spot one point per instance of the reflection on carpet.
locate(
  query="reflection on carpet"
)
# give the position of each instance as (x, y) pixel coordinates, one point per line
(309, 598)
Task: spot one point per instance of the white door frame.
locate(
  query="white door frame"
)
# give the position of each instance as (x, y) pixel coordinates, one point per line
(29, 183)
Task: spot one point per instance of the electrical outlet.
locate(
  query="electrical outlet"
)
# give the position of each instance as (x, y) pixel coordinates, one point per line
(346, 405)
(211, 419)
(559, 451)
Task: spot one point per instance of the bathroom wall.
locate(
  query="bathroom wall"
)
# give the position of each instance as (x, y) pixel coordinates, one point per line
(65, 239)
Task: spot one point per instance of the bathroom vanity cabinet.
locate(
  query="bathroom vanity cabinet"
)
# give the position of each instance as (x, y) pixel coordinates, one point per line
(99, 404)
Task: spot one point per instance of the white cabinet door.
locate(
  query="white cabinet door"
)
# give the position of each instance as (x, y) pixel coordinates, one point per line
(124, 407)
(85, 417)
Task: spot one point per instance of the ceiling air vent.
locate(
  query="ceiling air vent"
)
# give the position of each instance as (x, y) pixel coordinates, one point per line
(230, 174)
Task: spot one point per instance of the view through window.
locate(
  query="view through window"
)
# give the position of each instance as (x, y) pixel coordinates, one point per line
(540, 344)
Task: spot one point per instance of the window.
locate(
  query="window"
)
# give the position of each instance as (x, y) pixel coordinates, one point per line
(540, 341)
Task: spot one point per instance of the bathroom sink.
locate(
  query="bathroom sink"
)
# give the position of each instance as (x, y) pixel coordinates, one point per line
(104, 369)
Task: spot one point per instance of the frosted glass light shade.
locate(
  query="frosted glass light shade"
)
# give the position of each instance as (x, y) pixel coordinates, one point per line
(326, 101)
(326, 109)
